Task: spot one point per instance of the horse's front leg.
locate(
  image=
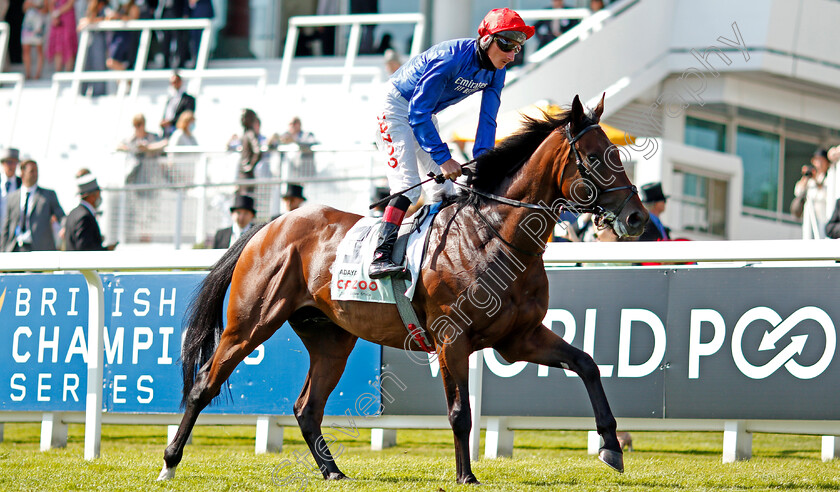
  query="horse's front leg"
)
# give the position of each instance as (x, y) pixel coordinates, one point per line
(542, 346)
(454, 370)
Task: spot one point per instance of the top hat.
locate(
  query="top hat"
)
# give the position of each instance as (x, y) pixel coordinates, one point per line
(87, 184)
(243, 202)
(652, 192)
(9, 153)
(294, 191)
(821, 153)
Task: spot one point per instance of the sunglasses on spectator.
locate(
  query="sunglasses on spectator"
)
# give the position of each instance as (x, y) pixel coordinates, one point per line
(507, 45)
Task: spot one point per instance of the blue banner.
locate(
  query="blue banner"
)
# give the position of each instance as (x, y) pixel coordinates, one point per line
(43, 351)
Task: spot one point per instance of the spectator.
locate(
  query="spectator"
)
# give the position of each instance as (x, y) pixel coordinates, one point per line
(138, 144)
(654, 200)
(178, 102)
(293, 198)
(183, 134)
(122, 51)
(62, 44)
(174, 9)
(30, 212)
(832, 228)
(242, 214)
(32, 36)
(392, 61)
(549, 30)
(304, 162)
(326, 34)
(263, 167)
(97, 48)
(251, 151)
(198, 9)
(81, 230)
(9, 180)
(365, 7)
(813, 196)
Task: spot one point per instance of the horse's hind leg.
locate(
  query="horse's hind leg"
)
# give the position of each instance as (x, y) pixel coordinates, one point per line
(250, 323)
(454, 370)
(542, 346)
(329, 346)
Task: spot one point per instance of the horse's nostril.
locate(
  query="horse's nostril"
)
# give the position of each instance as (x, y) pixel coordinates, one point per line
(634, 220)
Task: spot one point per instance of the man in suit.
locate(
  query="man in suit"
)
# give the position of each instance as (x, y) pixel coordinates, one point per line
(654, 200)
(178, 102)
(9, 180)
(30, 212)
(242, 212)
(81, 230)
(293, 198)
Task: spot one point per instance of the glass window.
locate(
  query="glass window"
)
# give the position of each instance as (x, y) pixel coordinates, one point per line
(797, 154)
(701, 206)
(760, 153)
(705, 134)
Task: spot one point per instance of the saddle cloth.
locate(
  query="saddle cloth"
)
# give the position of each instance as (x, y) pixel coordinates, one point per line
(350, 281)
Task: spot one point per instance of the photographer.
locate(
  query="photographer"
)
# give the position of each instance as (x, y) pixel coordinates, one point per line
(814, 196)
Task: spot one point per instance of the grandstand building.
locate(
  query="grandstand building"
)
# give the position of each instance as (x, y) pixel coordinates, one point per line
(721, 101)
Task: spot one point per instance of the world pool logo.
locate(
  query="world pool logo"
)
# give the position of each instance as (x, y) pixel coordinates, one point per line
(785, 356)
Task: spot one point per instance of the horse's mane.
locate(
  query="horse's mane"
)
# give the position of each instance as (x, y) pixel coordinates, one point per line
(504, 160)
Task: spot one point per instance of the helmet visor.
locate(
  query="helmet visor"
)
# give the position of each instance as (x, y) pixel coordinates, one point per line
(517, 36)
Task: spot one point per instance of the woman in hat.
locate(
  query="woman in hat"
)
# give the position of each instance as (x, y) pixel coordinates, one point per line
(814, 195)
(425, 85)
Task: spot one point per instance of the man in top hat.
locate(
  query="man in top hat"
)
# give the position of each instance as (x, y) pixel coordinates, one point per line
(242, 213)
(293, 198)
(654, 200)
(9, 180)
(81, 231)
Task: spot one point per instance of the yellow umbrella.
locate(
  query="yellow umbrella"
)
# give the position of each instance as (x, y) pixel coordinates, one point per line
(509, 122)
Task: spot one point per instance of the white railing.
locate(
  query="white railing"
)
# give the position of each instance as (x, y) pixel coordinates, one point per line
(9, 78)
(355, 22)
(146, 27)
(499, 429)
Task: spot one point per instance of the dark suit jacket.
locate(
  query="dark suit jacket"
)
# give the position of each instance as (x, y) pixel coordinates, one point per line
(832, 228)
(652, 233)
(187, 103)
(44, 204)
(81, 231)
(222, 239)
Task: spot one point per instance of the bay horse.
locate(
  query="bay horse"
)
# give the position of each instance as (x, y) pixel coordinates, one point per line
(281, 272)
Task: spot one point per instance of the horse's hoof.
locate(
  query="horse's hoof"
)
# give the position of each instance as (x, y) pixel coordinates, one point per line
(166, 474)
(613, 459)
(469, 479)
(337, 476)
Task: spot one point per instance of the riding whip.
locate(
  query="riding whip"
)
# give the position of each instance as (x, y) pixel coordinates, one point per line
(432, 177)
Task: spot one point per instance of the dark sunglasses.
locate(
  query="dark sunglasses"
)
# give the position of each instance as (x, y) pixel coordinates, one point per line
(507, 45)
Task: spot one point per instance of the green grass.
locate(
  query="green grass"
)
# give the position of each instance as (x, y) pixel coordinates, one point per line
(222, 458)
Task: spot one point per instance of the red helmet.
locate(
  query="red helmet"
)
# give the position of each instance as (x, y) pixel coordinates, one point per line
(498, 20)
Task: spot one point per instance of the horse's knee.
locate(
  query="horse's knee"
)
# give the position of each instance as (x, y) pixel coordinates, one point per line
(586, 367)
(460, 419)
(308, 419)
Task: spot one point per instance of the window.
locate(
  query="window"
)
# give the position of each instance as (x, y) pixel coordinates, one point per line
(705, 134)
(797, 154)
(759, 152)
(700, 205)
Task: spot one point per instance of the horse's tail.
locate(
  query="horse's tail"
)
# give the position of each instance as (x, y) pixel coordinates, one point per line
(205, 318)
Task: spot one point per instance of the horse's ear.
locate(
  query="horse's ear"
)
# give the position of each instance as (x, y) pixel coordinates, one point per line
(576, 116)
(599, 109)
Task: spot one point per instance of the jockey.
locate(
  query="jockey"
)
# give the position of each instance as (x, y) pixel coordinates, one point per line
(425, 85)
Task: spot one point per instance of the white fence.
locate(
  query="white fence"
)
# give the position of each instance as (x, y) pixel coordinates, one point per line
(499, 436)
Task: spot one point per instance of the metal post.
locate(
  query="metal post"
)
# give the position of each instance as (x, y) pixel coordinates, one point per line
(737, 442)
(81, 57)
(95, 361)
(382, 438)
(269, 435)
(288, 53)
(202, 56)
(352, 51)
(122, 213)
(140, 63)
(476, 370)
(498, 440)
(179, 216)
(53, 431)
(201, 212)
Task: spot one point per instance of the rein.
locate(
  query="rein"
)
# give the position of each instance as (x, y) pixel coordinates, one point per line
(606, 216)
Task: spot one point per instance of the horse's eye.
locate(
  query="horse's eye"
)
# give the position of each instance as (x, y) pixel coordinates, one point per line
(593, 159)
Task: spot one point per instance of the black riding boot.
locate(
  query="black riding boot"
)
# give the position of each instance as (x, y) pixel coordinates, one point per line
(383, 265)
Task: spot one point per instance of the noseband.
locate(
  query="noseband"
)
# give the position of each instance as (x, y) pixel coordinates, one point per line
(604, 216)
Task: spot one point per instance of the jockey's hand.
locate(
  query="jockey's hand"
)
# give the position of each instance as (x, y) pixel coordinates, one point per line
(451, 169)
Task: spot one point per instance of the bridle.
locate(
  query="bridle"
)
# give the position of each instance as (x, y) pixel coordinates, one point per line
(603, 216)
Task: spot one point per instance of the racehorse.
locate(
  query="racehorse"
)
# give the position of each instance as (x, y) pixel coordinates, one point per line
(281, 272)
